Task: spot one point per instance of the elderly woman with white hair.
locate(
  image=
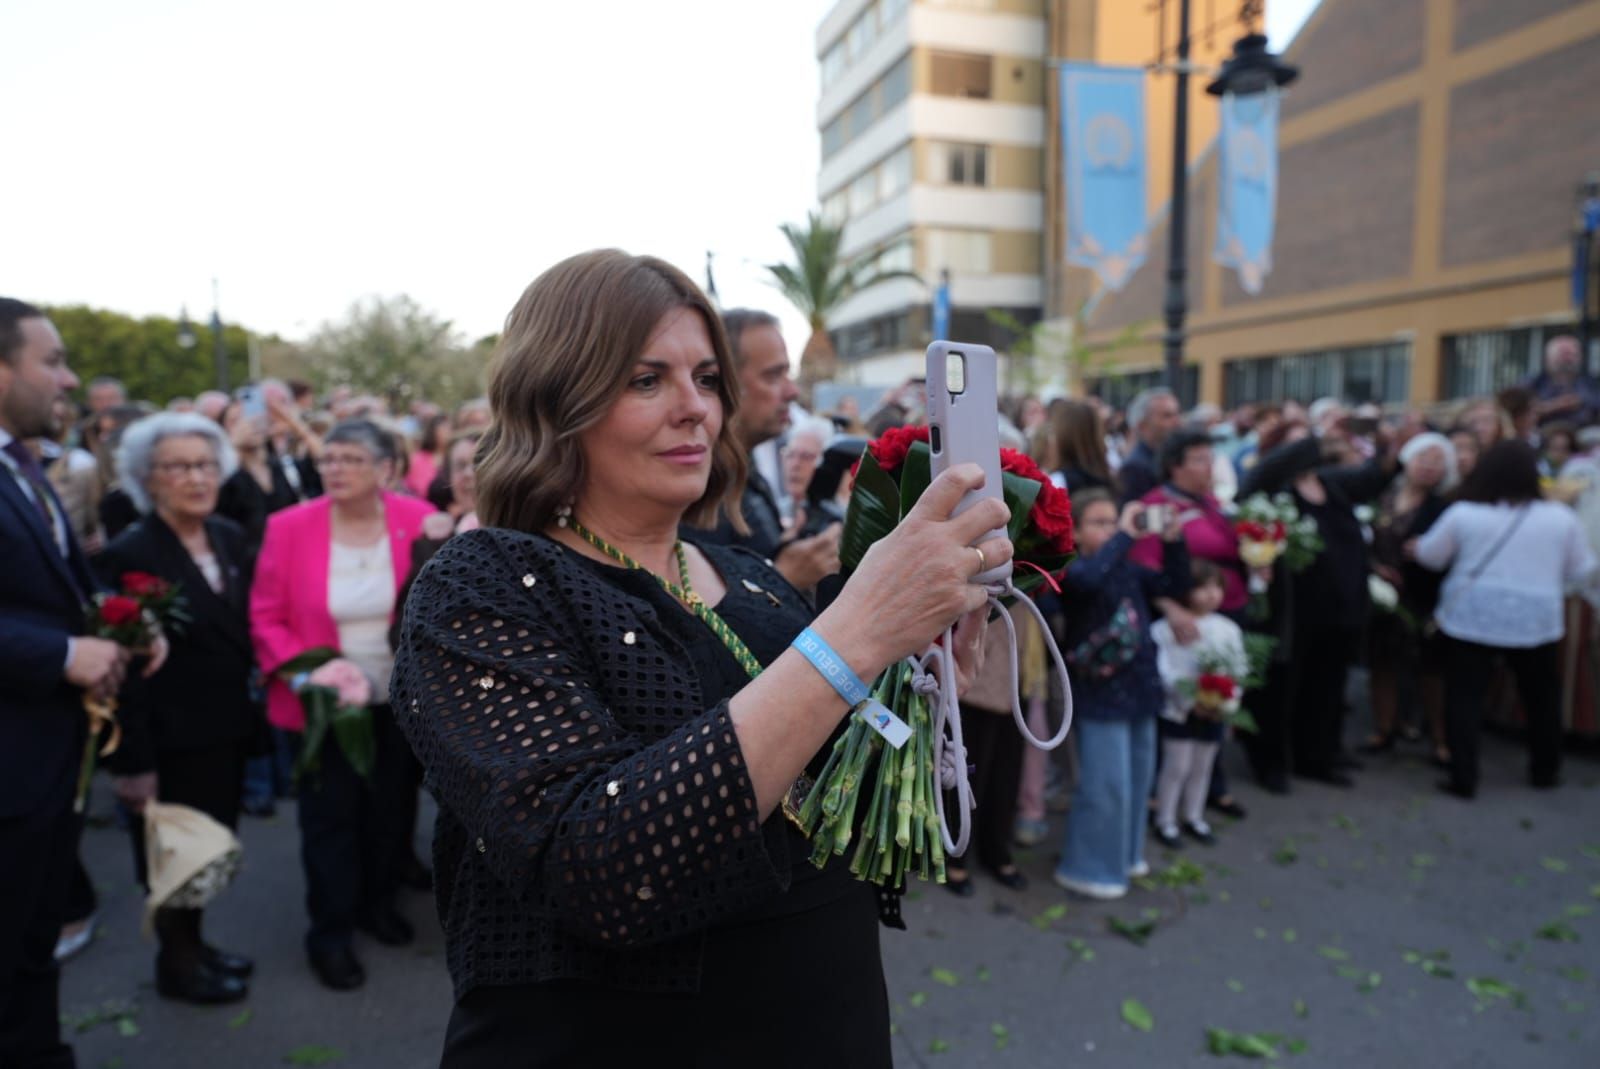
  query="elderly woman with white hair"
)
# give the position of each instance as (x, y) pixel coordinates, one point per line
(187, 730)
(1398, 654)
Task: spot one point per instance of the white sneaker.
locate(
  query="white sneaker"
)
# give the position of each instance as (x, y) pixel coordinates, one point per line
(1140, 870)
(1105, 892)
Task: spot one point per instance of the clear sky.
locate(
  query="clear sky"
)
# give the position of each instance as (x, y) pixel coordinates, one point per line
(308, 154)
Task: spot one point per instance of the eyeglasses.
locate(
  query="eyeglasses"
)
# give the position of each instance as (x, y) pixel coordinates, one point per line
(342, 460)
(182, 469)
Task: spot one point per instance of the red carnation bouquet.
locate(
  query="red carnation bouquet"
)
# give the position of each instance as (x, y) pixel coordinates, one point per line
(902, 828)
(147, 607)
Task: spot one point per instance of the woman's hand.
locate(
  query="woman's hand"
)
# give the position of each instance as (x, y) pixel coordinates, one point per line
(134, 791)
(917, 580)
(1128, 522)
(1180, 619)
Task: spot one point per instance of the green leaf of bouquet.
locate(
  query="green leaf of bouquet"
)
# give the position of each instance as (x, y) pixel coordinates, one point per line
(309, 661)
(1138, 1014)
(352, 729)
(915, 475)
(1020, 494)
(873, 512)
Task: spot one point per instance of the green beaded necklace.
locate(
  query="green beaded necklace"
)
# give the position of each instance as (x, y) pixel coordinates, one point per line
(681, 590)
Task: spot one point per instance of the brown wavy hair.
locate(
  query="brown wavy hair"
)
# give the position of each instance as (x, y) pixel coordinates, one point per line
(565, 355)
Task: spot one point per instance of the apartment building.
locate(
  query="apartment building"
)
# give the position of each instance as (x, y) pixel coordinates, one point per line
(939, 154)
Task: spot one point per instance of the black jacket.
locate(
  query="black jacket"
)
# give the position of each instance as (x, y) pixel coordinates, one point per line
(759, 506)
(595, 813)
(202, 695)
(43, 596)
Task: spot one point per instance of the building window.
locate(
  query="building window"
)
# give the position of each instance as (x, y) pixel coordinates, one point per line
(894, 255)
(1485, 362)
(866, 109)
(1380, 373)
(962, 252)
(879, 183)
(858, 37)
(1118, 390)
(955, 164)
(958, 74)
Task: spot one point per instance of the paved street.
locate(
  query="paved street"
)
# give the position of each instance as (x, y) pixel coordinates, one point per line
(1385, 926)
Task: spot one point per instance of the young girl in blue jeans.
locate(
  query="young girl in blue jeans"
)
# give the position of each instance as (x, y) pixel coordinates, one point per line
(1116, 689)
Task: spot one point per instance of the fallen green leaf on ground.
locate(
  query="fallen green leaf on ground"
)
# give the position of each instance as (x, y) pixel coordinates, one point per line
(1002, 1035)
(1334, 953)
(1558, 932)
(918, 999)
(1553, 864)
(1287, 853)
(1138, 1015)
(1044, 920)
(983, 974)
(1221, 1042)
(314, 1054)
(938, 1046)
(241, 1019)
(1135, 932)
(944, 976)
(1301, 1010)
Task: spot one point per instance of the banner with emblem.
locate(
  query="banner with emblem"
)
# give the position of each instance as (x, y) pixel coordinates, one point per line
(1102, 131)
(1247, 200)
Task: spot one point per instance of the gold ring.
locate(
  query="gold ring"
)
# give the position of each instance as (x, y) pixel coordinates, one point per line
(983, 562)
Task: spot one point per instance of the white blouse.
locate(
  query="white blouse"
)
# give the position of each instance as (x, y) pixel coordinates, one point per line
(1515, 602)
(361, 600)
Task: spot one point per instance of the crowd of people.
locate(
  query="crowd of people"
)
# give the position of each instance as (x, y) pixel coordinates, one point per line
(611, 770)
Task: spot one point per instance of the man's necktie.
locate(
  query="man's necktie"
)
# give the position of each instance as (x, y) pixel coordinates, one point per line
(28, 467)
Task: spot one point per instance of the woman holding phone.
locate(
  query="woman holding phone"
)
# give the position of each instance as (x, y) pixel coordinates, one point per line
(611, 717)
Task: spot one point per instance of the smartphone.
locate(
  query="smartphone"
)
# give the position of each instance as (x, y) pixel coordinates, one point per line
(252, 403)
(964, 425)
(1153, 520)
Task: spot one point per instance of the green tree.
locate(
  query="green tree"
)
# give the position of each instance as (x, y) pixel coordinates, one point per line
(1046, 353)
(817, 281)
(145, 354)
(396, 349)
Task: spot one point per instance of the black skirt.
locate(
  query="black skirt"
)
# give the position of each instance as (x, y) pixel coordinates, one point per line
(802, 989)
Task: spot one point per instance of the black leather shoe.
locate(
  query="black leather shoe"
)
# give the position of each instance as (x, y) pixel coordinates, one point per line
(338, 969)
(1459, 790)
(1228, 807)
(1014, 879)
(388, 928)
(199, 984)
(1200, 835)
(960, 886)
(228, 964)
(1172, 842)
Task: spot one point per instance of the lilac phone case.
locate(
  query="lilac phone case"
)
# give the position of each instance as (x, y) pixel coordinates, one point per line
(964, 427)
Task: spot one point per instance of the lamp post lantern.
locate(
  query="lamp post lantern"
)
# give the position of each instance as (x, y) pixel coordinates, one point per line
(1251, 69)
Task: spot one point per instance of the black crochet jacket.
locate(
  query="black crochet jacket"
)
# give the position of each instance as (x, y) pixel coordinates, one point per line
(596, 815)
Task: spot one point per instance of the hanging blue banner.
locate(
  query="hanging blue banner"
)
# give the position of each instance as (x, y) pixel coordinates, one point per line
(1247, 199)
(1102, 132)
(941, 309)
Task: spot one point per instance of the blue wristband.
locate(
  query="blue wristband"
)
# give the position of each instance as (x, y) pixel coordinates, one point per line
(832, 666)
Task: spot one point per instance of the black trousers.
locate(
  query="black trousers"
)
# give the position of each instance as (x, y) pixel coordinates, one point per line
(994, 752)
(355, 836)
(1268, 746)
(37, 854)
(1537, 670)
(208, 779)
(1316, 698)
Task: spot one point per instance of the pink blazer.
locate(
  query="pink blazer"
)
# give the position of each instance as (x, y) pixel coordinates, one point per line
(289, 598)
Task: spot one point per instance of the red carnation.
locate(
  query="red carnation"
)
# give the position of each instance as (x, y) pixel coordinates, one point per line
(1052, 516)
(890, 449)
(1218, 684)
(1251, 530)
(1279, 531)
(118, 611)
(143, 585)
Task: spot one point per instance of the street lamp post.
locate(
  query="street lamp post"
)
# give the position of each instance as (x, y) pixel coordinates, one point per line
(1251, 69)
(1584, 267)
(219, 351)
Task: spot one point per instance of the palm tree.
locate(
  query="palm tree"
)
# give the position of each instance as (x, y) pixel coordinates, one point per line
(817, 282)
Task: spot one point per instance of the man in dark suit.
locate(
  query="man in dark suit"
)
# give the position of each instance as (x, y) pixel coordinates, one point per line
(765, 392)
(47, 663)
